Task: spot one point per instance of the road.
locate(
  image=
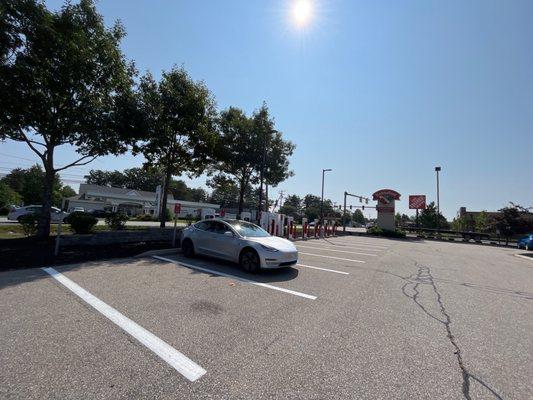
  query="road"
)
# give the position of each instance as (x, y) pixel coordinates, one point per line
(358, 318)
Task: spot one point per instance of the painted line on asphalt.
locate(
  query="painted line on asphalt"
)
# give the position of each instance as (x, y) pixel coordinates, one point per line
(214, 272)
(185, 366)
(338, 251)
(323, 269)
(335, 258)
(346, 244)
(351, 246)
(355, 243)
(524, 257)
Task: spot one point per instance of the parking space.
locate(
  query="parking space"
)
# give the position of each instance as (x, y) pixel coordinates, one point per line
(357, 317)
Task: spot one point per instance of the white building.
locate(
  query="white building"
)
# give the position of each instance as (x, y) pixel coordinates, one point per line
(129, 201)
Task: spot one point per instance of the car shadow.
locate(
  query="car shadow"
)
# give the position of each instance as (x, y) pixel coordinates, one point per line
(228, 267)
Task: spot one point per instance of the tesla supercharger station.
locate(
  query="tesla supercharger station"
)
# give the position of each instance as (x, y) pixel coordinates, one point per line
(290, 228)
(304, 228)
(280, 225)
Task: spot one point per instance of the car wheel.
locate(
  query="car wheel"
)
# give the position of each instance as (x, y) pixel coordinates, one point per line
(249, 261)
(187, 248)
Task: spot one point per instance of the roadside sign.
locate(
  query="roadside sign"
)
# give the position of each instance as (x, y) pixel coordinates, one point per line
(177, 208)
(417, 202)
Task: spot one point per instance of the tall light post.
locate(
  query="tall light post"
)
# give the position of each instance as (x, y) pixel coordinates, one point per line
(322, 200)
(437, 170)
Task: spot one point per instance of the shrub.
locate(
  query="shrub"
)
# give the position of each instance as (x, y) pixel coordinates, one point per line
(144, 217)
(81, 222)
(116, 221)
(377, 231)
(29, 223)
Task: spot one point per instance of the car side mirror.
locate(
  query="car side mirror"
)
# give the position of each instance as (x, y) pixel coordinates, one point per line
(228, 233)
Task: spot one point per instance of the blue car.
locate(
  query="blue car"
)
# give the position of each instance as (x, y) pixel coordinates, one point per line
(526, 242)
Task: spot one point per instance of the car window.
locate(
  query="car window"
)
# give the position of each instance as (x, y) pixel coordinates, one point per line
(248, 229)
(204, 225)
(219, 227)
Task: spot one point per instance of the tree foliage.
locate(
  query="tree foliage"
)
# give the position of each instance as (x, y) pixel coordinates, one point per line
(179, 125)
(244, 143)
(28, 184)
(428, 218)
(358, 217)
(63, 80)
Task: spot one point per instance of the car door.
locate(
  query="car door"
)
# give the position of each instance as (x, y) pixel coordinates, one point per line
(223, 244)
(201, 237)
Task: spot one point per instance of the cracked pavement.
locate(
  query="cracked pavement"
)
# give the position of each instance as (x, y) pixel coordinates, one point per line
(424, 320)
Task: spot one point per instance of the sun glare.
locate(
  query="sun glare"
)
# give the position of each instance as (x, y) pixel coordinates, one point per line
(302, 11)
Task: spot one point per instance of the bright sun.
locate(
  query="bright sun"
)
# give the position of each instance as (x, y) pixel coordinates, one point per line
(302, 11)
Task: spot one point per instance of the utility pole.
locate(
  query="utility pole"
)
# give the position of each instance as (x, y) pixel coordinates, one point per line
(322, 199)
(261, 178)
(437, 170)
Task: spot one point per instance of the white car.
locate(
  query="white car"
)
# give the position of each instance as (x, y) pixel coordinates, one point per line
(56, 214)
(238, 241)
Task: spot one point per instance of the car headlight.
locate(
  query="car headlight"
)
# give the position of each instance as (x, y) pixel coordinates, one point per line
(268, 248)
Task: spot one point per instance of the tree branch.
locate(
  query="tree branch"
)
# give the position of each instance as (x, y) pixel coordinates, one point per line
(77, 163)
(30, 143)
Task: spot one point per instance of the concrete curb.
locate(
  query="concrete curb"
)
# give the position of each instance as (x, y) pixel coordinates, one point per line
(159, 252)
(524, 257)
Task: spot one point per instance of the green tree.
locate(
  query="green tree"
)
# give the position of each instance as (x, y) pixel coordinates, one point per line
(244, 144)
(292, 206)
(483, 222)
(8, 197)
(179, 116)
(63, 80)
(428, 218)
(510, 222)
(358, 217)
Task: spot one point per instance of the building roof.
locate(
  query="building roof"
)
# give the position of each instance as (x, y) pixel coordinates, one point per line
(95, 190)
(135, 195)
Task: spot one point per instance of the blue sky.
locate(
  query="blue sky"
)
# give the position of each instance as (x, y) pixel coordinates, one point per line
(379, 91)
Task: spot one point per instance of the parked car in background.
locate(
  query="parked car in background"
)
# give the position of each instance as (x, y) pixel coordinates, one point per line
(238, 241)
(99, 213)
(56, 214)
(526, 242)
(78, 209)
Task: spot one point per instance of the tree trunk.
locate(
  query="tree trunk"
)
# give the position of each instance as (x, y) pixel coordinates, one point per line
(43, 226)
(164, 197)
(241, 196)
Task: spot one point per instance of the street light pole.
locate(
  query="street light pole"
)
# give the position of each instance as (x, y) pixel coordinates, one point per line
(322, 199)
(437, 170)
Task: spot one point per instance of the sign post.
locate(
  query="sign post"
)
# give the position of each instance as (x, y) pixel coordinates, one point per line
(177, 210)
(417, 202)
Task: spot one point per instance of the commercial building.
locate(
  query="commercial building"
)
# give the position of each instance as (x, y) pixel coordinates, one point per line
(129, 201)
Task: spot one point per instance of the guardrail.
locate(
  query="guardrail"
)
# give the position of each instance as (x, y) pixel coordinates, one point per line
(464, 235)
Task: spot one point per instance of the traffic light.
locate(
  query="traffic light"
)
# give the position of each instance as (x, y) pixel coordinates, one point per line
(366, 201)
(363, 207)
(350, 206)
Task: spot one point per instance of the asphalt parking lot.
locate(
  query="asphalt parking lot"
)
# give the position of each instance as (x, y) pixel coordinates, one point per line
(357, 318)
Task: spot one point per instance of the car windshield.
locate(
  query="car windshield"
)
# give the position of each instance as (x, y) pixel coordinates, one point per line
(247, 229)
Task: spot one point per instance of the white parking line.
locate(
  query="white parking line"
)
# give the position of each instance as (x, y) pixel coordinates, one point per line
(212, 271)
(351, 246)
(185, 366)
(346, 244)
(338, 251)
(323, 269)
(335, 258)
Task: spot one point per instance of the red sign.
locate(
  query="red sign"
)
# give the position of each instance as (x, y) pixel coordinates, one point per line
(389, 194)
(177, 208)
(417, 202)
(385, 208)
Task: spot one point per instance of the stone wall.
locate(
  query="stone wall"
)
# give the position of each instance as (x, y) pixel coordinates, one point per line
(125, 236)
